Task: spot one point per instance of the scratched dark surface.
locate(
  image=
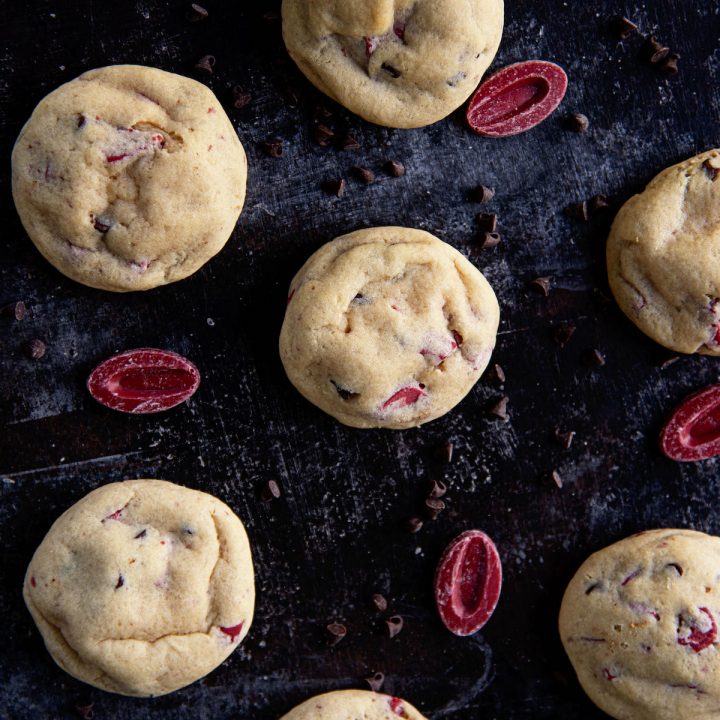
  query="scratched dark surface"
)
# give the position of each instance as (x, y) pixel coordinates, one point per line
(335, 535)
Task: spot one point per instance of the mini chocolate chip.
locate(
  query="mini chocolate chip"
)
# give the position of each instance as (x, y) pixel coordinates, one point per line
(391, 71)
(577, 122)
(36, 349)
(593, 358)
(489, 240)
(322, 135)
(120, 582)
(499, 409)
(496, 374)
(375, 681)
(712, 171)
(487, 221)
(85, 712)
(81, 121)
(349, 142)
(413, 525)
(578, 211)
(669, 361)
(379, 602)
(270, 490)
(670, 66)
(562, 334)
(394, 168)
(437, 489)
(541, 285)
(367, 176)
(565, 438)
(205, 64)
(624, 27)
(240, 98)
(140, 535)
(557, 479)
(16, 310)
(335, 187)
(100, 226)
(678, 569)
(337, 632)
(433, 507)
(599, 203)
(273, 147)
(394, 625)
(197, 12)
(482, 194)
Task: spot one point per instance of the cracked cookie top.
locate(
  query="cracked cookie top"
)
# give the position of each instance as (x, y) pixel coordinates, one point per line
(387, 327)
(142, 587)
(663, 263)
(352, 704)
(400, 63)
(129, 177)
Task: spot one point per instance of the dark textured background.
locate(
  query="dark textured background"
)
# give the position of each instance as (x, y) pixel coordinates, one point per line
(335, 535)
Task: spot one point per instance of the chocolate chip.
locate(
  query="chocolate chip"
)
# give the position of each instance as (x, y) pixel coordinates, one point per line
(36, 349)
(140, 535)
(593, 358)
(379, 602)
(85, 712)
(499, 409)
(16, 310)
(81, 121)
(335, 187)
(322, 135)
(273, 147)
(391, 71)
(489, 240)
(437, 489)
(342, 392)
(541, 285)
(487, 221)
(205, 64)
(577, 122)
(433, 507)
(270, 490)
(578, 211)
(240, 98)
(120, 582)
(562, 334)
(654, 51)
(413, 525)
(670, 66)
(712, 171)
(482, 194)
(100, 226)
(375, 681)
(394, 168)
(565, 438)
(669, 361)
(337, 632)
(197, 13)
(557, 479)
(394, 625)
(496, 374)
(349, 142)
(623, 27)
(599, 203)
(364, 174)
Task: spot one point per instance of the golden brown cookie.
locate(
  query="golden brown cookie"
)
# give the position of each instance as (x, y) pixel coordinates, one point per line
(353, 705)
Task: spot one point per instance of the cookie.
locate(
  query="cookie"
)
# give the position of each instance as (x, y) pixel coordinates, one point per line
(663, 264)
(400, 63)
(129, 177)
(387, 327)
(142, 587)
(353, 705)
(639, 622)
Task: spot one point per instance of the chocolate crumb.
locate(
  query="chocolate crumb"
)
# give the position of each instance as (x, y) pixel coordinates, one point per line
(273, 147)
(593, 358)
(489, 240)
(712, 171)
(337, 632)
(433, 507)
(577, 122)
(270, 491)
(578, 211)
(670, 66)
(140, 535)
(18, 310)
(240, 98)
(487, 221)
(496, 374)
(541, 285)
(85, 712)
(81, 120)
(565, 438)
(205, 64)
(482, 194)
(413, 525)
(599, 203)
(437, 489)
(375, 681)
(623, 27)
(120, 582)
(394, 625)
(394, 168)
(562, 334)
(379, 602)
(335, 187)
(365, 175)
(322, 135)
(654, 51)
(36, 349)
(499, 409)
(197, 13)
(349, 142)
(669, 361)
(557, 479)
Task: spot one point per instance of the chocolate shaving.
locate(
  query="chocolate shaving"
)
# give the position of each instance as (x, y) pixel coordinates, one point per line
(593, 358)
(140, 535)
(413, 525)
(270, 490)
(85, 712)
(599, 203)
(654, 51)
(394, 625)
(446, 451)
(541, 285)
(375, 681)
(120, 582)
(335, 187)
(394, 168)
(364, 174)
(489, 240)
(349, 142)
(433, 507)
(273, 147)
(205, 64)
(669, 361)
(81, 121)
(670, 66)
(391, 71)
(100, 226)
(437, 489)
(499, 409)
(197, 13)
(379, 602)
(496, 374)
(337, 632)
(482, 194)
(18, 310)
(624, 27)
(565, 438)
(322, 135)
(578, 211)
(341, 391)
(487, 221)
(240, 98)
(577, 122)
(557, 479)
(678, 569)
(36, 349)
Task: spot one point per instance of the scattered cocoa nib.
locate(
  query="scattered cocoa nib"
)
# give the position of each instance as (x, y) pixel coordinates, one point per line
(541, 285)
(18, 310)
(489, 240)
(557, 479)
(364, 174)
(394, 168)
(577, 122)
(669, 361)
(670, 66)
(391, 71)
(482, 194)
(375, 681)
(653, 51)
(273, 147)
(433, 507)
(349, 142)
(270, 490)
(562, 334)
(593, 358)
(205, 64)
(578, 211)
(712, 171)
(197, 12)
(487, 221)
(437, 489)
(394, 625)
(565, 438)
(36, 349)
(337, 632)
(322, 135)
(335, 187)
(623, 27)
(85, 712)
(599, 203)
(240, 98)
(496, 374)
(413, 525)
(499, 409)
(379, 602)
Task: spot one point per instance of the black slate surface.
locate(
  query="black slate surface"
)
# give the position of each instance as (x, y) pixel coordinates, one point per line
(335, 536)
